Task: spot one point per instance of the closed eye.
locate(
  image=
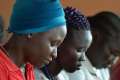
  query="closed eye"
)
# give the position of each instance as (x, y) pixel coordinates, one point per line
(81, 49)
(55, 43)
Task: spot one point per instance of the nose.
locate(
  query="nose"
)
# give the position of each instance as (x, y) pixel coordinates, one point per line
(82, 56)
(54, 53)
(113, 59)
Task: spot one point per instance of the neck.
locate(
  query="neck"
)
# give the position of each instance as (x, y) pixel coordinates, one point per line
(14, 52)
(54, 68)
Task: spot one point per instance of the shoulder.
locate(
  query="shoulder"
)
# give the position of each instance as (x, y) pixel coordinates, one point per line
(63, 75)
(115, 75)
(3, 72)
(3, 66)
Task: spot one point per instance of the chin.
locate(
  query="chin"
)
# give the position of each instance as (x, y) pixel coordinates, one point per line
(70, 70)
(100, 66)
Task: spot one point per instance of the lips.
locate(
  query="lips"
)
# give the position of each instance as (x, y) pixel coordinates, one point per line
(78, 64)
(48, 60)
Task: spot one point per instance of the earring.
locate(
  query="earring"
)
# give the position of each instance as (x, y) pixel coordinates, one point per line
(29, 36)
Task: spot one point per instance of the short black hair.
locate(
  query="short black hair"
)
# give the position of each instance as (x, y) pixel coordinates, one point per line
(75, 19)
(106, 22)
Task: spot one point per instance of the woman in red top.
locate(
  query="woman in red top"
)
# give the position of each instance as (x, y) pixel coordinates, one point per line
(37, 32)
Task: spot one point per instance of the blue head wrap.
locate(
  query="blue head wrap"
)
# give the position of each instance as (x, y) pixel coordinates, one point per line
(31, 16)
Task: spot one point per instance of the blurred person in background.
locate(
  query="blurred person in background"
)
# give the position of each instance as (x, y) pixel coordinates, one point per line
(105, 49)
(35, 38)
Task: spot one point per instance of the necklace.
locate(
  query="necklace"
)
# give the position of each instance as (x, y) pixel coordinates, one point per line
(47, 73)
(22, 69)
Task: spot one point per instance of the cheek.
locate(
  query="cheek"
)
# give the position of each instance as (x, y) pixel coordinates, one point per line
(67, 58)
(46, 51)
(42, 50)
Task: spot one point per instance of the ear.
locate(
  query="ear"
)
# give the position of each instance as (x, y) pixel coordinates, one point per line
(27, 37)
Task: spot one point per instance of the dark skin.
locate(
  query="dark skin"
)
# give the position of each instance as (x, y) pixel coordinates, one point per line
(39, 49)
(105, 54)
(1, 30)
(70, 52)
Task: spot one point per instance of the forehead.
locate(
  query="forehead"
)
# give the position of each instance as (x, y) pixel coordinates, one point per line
(58, 32)
(82, 37)
(53, 34)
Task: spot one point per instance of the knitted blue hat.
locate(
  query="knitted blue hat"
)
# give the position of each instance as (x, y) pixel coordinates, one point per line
(31, 16)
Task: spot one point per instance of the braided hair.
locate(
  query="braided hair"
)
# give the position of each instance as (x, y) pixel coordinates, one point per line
(75, 19)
